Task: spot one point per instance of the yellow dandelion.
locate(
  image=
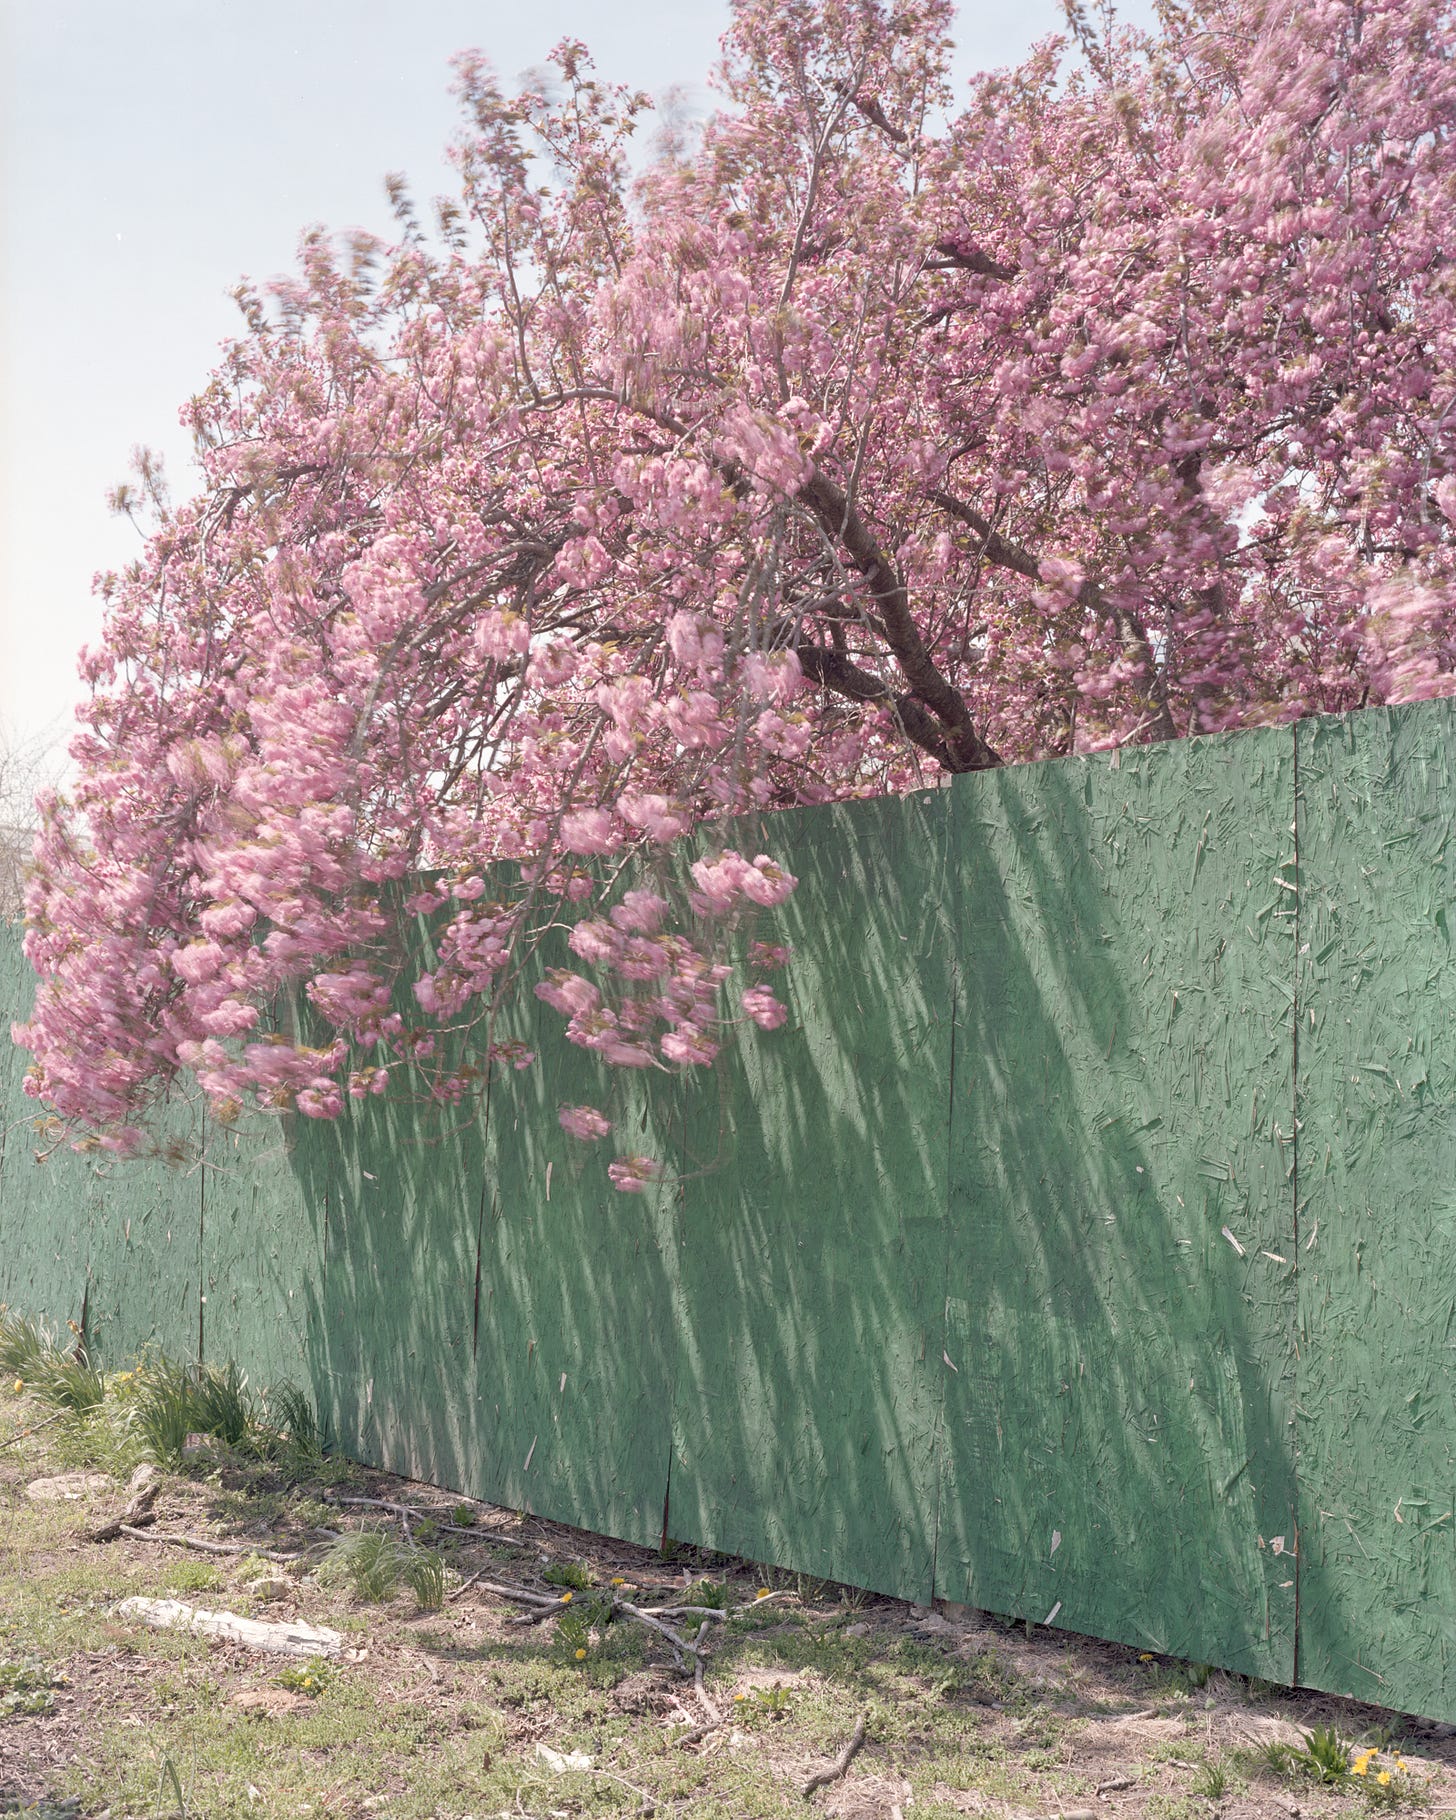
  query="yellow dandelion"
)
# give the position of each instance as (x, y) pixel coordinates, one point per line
(566, 1598)
(19, 1385)
(581, 1655)
(738, 1696)
(1360, 1767)
(763, 1592)
(617, 1580)
(1400, 1763)
(1383, 1777)
(1146, 1656)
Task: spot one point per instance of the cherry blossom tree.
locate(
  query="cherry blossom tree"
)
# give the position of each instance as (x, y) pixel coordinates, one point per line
(866, 439)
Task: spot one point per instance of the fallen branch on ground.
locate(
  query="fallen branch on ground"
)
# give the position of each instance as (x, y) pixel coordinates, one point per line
(841, 1763)
(412, 1513)
(139, 1511)
(708, 1707)
(204, 1547)
(1117, 1782)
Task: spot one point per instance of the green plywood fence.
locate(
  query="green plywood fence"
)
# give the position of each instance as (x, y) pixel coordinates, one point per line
(1084, 1247)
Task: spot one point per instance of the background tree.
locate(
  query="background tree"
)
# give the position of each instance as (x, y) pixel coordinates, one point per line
(857, 444)
(20, 778)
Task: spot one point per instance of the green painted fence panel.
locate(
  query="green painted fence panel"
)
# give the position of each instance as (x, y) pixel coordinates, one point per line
(45, 1207)
(1377, 1194)
(262, 1260)
(575, 1350)
(399, 1184)
(144, 1260)
(813, 1232)
(991, 1273)
(1118, 1452)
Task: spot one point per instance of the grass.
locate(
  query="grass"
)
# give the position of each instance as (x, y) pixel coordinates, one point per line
(438, 1704)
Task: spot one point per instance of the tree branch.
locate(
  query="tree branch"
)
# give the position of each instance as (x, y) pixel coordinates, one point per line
(965, 748)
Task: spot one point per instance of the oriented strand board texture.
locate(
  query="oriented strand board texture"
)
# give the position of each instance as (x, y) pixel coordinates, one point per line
(813, 1233)
(575, 1339)
(45, 1208)
(1118, 1446)
(943, 1295)
(1377, 1194)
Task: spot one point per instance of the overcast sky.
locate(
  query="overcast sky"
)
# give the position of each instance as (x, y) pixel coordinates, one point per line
(154, 152)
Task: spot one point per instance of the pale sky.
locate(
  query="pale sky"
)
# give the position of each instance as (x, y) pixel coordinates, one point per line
(156, 151)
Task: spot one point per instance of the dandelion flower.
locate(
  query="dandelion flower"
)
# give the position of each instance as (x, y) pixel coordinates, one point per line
(1383, 1777)
(762, 1592)
(19, 1385)
(581, 1655)
(617, 1580)
(566, 1598)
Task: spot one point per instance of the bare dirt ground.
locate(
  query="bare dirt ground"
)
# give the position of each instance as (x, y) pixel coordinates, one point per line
(544, 1704)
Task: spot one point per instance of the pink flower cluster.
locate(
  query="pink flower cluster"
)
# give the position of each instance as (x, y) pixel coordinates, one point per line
(860, 442)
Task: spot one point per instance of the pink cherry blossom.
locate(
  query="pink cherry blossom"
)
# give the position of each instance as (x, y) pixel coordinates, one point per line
(584, 1122)
(879, 434)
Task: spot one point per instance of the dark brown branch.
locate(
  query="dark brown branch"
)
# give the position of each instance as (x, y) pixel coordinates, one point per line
(965, 748)
(875, 114)
(842, 1762)
(833, 670)
(994, 547)
(962, 256)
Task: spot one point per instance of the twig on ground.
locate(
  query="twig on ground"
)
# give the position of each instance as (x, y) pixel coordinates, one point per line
(841, 1763)
(413, 1513)
(463, 1587)
(678, 1645)
(204, 1547)
(519, 1593)
(33, 1428)
(1117, 1782)
(708, 1707)
(138, 1512)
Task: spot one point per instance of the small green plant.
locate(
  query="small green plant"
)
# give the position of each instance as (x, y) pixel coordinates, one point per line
(169, 1777)
(463, 1516)
(370, 1561)
(568, 1573)
(712, 1595)
(225, 1410)
(1324, 1756)
(763, 1703)
(22, 1346)
(424, 1574)
(26, 1689)
(166, 1410)
(309, 1678)
(291, 1415)
(63, 1380)
(1212, 1780)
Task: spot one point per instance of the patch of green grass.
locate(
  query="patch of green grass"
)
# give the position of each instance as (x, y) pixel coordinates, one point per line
(423, 1572)
(1212, 1781)
(192, 1577)
(571, 1574)
(23, 1346)
(369, 1561)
